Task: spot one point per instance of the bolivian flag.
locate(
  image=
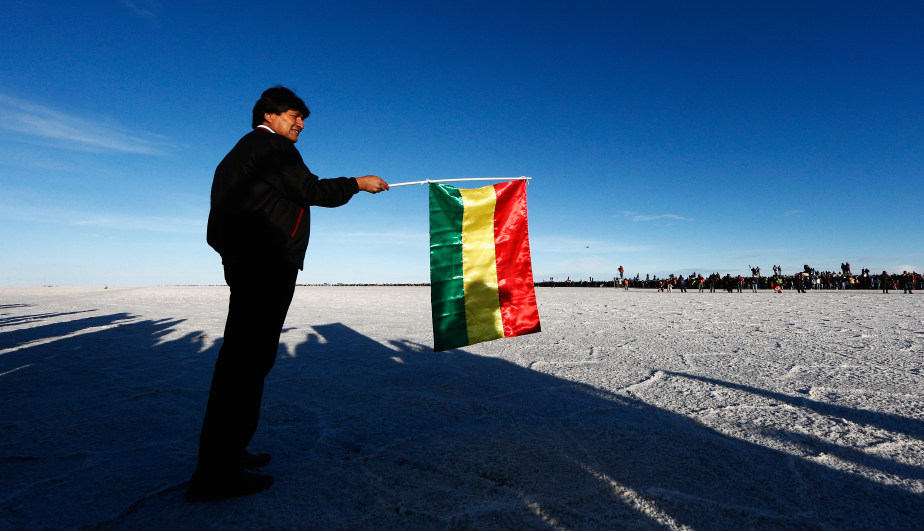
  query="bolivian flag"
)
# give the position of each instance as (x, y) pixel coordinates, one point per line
(481, 278)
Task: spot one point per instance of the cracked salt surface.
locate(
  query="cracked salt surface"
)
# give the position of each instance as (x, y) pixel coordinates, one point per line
(631, 409)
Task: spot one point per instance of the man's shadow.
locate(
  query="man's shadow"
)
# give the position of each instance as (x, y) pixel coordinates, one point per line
(99, 429)
(399, 436)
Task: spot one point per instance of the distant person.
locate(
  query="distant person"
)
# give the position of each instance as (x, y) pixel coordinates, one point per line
(800, 281)
(259, 224)
(885, 282)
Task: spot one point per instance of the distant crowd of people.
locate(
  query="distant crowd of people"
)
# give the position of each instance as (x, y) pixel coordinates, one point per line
(807, 279)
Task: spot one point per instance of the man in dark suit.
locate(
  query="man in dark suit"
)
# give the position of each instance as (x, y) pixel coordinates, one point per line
(259, 224)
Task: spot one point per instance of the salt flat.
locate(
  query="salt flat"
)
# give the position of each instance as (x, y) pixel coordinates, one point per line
(629, 410)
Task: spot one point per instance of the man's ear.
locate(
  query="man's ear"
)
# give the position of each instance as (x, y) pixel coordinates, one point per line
(266, 117)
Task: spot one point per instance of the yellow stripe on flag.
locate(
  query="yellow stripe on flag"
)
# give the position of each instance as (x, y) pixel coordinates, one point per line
(479, 266)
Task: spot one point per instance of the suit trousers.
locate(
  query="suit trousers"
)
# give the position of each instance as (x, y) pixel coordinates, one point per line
(260, 296)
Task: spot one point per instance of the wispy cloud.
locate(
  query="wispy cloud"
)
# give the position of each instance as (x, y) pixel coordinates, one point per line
(144, 9)
(162, 224)
(759, 257)
(41, 123)
(791, 213)
(647, 217)
(31, 208)
(391, 236)
(572, 246)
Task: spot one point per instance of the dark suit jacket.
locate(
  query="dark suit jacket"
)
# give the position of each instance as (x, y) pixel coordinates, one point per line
(260, 198)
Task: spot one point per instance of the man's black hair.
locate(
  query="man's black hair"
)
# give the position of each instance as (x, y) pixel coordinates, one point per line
(277, 100)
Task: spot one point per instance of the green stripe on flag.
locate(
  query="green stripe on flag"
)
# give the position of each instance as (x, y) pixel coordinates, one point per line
(447, 296)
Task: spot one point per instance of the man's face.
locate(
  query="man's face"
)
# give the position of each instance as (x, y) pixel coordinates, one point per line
(288, 124)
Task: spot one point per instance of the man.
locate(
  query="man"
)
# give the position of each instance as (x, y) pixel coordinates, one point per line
(259, 224)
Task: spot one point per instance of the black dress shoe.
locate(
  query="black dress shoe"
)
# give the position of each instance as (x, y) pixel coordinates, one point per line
(252, 460)
(226, 484)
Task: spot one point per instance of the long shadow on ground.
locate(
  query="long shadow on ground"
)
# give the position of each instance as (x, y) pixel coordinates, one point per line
(95, 415)
(373, 436)
(403, 436)
(887, 421)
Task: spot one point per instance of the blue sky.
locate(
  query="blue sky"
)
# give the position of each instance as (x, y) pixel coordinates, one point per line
(660, 136)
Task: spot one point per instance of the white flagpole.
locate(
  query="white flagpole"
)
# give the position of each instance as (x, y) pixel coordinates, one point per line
(521, 178)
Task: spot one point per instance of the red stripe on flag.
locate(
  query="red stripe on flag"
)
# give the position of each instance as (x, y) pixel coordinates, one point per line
(514, 267)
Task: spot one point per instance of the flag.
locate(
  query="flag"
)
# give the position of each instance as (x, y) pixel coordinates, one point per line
(481, 278)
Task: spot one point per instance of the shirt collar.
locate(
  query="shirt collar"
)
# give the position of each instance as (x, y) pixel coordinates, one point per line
(264, 126)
